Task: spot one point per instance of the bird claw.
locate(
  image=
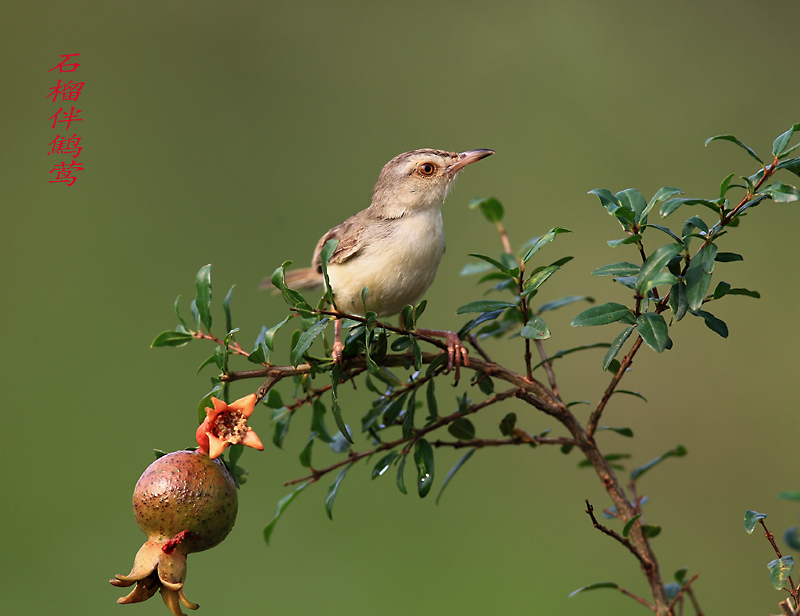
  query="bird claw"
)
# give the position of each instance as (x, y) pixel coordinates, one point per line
(457, 355)
(337, 352)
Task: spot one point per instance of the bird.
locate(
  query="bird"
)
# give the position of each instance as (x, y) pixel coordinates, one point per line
(394, 246)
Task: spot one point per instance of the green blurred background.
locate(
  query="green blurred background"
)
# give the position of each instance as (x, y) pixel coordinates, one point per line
(236, 133)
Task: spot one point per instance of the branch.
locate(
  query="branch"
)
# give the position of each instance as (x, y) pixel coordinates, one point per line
(614, 535)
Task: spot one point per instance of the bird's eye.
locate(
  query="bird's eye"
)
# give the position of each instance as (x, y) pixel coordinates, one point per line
(427, 169)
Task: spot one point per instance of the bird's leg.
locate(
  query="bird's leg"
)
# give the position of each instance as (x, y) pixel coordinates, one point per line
(456, 351)
(338, 346)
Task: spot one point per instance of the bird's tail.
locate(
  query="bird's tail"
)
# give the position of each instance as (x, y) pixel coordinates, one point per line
(304, 279)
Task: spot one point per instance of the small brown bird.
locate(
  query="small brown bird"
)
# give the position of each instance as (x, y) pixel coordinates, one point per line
(394, 246)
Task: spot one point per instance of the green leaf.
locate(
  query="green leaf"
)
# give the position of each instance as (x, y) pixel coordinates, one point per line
(626, 530)
(680, 575)
(725, 186)
(485, 306)
(462, 428)
(423, 458)
(661, 279)
(792, 537)
(654, 331)
(336, 407)
(453, 471)
(172, 339)
(282, 505)
(226, 307)
(670, 205)
(401, 480)
(305, 454)
(511, 272)
(733, 139)
(751, 518)
(545, 239)
(593, 587)
(384, 464)
(780, 143)
(779, 571)
(280, 421)
(408, 418)
(616, 346)
(601, 315)
(491, 208)
(475, 268)
(792, 165)
(564, 301)
(790, 495)
(538, 278)
(626, 392)
(260, 354)
(630, 239)
(482, 318)
(507, 424)
(726, 257)
(203, 300)
(745, 292)
(721, 290)
(698, 275)
(535, 329)
(655, 263)
(623, 268)
(333, 489)
(178, 314)
(273, 399)
(676, 452)
(716, 325)
(430, 397)
(307, 339)
(627, 432)
(662, 194)
(631, 199)
(678, 302)
(650, 530)
(781, 193)
(318, 422)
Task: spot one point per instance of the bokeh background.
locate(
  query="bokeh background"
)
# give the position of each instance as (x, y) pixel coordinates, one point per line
(236, 133)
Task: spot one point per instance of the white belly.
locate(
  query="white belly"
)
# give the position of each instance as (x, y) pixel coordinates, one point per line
(397, 269)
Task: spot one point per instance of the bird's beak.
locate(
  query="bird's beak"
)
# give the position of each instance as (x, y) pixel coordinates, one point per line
(465, 158)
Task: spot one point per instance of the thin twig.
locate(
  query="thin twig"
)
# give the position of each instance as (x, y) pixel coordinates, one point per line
(594, 418)
(615, 535)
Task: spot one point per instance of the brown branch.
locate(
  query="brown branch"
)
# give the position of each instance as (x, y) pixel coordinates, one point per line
(238, 350)
(614, 535)
(792, 590)
(594, 418)
(409, 441)
(637, 598)
(686, 588)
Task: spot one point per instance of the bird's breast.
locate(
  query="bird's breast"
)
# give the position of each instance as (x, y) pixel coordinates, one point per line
(398, 264)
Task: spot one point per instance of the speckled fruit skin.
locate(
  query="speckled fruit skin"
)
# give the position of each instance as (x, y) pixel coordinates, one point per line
(186, 490)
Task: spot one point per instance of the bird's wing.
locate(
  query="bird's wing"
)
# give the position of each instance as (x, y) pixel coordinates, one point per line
(350, 235)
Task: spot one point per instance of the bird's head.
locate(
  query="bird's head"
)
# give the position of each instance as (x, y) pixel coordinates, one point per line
(419, 180)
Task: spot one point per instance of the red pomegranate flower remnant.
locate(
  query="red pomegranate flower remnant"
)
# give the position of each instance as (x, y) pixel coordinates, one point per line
(226, 424)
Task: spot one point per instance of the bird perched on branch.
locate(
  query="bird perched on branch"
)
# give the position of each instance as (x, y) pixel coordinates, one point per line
(394, 246)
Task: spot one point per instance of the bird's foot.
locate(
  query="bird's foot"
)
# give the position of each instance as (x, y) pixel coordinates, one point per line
(457, 355)
(337, 352)
(338, 345)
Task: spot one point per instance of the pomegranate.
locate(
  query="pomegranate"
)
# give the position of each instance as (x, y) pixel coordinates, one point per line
(184, 502)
